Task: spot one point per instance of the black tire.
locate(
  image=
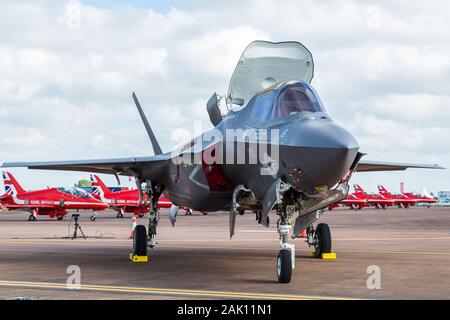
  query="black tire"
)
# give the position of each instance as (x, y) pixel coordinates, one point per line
(323, 239)
(284, 266)
(141, 215)
(60, 218)
(32, 218)
(140, 241)
(92, 218)
(119, 216)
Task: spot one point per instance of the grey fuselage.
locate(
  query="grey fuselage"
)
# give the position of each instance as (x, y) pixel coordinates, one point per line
(309, 143)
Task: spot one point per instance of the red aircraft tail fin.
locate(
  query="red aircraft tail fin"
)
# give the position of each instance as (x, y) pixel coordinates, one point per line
(358, 188)
(98, 186)
(11, 184)
(382, 189)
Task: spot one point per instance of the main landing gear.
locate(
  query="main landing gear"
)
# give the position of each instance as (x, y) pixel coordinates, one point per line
(320, 239)
(142, 238)
(34, 215)
(121, 213)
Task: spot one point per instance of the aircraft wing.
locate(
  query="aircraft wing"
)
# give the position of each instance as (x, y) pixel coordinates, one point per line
(122, 166)
(367, 166)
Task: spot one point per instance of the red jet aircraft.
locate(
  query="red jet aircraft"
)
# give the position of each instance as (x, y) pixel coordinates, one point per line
(124, 201)
(352, 201)
(421, 199)
(374, 200)
(52, 202)
(425, 197)
(401, 200)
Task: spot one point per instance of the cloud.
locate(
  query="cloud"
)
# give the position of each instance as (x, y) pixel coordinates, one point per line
(67, 70)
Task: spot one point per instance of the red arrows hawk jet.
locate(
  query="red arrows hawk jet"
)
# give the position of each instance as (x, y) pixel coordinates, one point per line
(401, 200)
(352, 201)
(51, 202)
(374, 200)
(421, 198)
(124, 201)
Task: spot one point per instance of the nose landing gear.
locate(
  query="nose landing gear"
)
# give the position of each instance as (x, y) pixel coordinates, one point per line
(286, 256)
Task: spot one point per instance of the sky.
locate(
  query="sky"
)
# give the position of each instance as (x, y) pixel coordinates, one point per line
(68, 68)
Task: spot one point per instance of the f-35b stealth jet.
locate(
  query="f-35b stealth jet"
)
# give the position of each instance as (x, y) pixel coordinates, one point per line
(275, 150)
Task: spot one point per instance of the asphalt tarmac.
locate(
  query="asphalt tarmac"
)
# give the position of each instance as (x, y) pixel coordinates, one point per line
(196, 260)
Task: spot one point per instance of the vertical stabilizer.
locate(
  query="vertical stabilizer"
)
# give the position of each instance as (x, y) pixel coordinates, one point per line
(11, 184)
(382, 189)
(358, 188)
(156, 148)
(99, 187)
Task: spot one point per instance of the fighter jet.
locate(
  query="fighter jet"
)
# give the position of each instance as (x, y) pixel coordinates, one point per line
(276, 148)
(353, 202)
(52, 202)
(424, 198)
(374, 200)
(401, 200)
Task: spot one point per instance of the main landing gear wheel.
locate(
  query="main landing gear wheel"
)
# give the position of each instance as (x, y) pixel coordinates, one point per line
(119, 215)
(284, 266)
(322, 239)
(93, 218)
(141, 215)
(60, 218)
(32, 218)
(140, 241)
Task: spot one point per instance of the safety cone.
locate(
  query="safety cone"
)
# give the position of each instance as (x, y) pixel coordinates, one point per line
(133, 226)
(302, 234)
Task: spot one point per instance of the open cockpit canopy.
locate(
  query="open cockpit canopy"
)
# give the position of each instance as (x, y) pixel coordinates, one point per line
(264, 64)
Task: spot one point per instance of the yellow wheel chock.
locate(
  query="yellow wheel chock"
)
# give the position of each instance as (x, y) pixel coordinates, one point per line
(138, 259)
(325, 256)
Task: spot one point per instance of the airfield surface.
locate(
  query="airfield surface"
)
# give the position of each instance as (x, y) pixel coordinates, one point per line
(196, 259)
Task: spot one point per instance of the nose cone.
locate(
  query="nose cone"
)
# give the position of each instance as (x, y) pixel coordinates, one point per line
(322, 151)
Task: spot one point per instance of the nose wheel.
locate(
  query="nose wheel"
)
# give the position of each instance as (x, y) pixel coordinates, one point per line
(284, 266)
